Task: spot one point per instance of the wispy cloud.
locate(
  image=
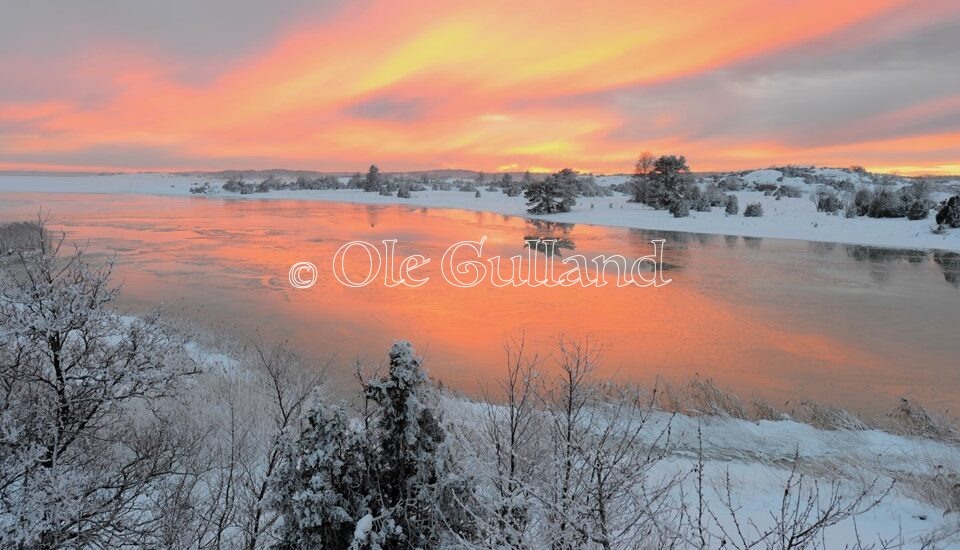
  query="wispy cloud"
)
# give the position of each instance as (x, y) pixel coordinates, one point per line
(481, 85)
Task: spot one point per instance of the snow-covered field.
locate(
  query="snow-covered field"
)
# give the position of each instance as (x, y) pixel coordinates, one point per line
(787, 218)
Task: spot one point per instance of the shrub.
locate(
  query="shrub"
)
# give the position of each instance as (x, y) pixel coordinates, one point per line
(949, 213)
(766, 187)
(732, 208)
(861, 201)
(731, 183)
(753, 210)
(403, 192)
(680, 208)
(514, 190)
(714, 196)
(828, 202)
(917, 211)
(701, 204)
(788, 191)
(851, 211)
(884, 204)
(233, 186)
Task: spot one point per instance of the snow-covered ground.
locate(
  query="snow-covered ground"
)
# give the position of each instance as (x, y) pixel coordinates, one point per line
(787, 218)
(757, 456)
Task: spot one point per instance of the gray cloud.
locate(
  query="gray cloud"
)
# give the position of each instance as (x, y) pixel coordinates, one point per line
(822, 92)
(388, 108)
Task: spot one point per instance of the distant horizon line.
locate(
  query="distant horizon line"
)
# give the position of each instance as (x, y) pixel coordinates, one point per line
(94, 171)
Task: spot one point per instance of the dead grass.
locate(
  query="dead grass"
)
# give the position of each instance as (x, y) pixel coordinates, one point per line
(701, 396)
(912, 419)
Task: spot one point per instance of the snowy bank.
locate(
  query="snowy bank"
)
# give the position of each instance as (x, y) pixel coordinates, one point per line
(787, 218)
(751, 463)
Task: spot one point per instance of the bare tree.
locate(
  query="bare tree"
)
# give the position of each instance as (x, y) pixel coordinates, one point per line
(639, 183)
(84, 444)
(512, 429)
(287, 385)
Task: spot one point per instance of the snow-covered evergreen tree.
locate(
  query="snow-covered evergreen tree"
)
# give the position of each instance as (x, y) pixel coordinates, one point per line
(373, 180)
(321, 491)
(670, 182)
(556, 193)
(418, 491)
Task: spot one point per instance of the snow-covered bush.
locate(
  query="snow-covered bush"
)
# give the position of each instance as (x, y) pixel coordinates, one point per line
(732, 183)
(827, 201)
(918, 210)
(586, 186)
(949, 213)
(788, 191)
(732, 206)
(753, 210)
(714, 196)
(679, 208)
(885, 204)
(701, 204)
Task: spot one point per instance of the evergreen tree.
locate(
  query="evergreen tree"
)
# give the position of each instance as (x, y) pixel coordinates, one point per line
(373, 180)
(554, 194)
(670, 182)
(732, 206)
(414, 475)
(321, 490)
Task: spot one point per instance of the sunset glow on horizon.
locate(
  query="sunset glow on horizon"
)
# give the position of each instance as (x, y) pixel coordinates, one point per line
(493, 86)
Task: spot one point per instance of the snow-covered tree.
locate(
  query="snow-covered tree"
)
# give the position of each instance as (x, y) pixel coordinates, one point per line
(419, 493)
(732, 206)
(512, 429)
(373, 180)
(82, 446)
(321, 491)
(639, 183)
(669, 182)
(512, 187)
(556, 193)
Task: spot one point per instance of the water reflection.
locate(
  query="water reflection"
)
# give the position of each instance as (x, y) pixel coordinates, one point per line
(785, 319)
(821, 248)
(885, 255)
(949, 262)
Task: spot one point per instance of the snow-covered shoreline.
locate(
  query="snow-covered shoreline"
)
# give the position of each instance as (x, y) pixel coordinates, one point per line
(787, 218)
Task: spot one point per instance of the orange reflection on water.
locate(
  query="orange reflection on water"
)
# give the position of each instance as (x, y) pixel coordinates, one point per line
(757, 320)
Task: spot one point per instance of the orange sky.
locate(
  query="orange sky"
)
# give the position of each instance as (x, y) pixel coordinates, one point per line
(491, 85)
